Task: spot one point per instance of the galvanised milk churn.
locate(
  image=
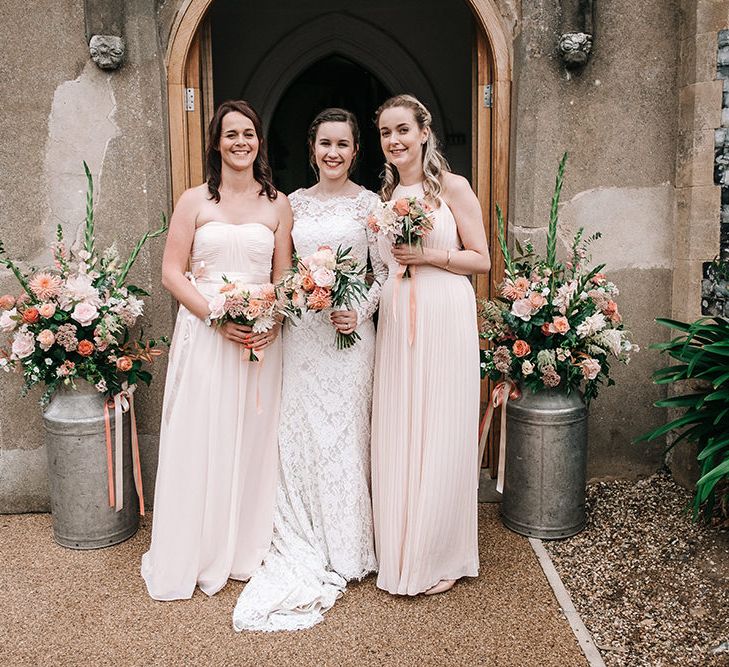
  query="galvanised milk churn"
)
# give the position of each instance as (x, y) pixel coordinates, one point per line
(77, 470)
(546, 456)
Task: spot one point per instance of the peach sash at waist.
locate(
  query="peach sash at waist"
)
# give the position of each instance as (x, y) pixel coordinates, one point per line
(234, 276)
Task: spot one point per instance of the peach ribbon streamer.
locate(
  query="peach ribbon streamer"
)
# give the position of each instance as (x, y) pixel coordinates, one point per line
(501, 394)
(261, 358)
(413, 306)
(122, 402)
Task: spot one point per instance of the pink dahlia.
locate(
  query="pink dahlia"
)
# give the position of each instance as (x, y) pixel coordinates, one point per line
(45, 285)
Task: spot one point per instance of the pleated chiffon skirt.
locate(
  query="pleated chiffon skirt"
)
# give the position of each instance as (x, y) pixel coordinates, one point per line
(425, 432)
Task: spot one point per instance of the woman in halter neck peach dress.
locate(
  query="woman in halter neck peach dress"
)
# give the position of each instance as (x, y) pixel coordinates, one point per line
(218, 456)
(426, 393)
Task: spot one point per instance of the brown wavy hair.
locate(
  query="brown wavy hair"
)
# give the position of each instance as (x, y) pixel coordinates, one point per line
(434, 164)
(213, 161)
(333, 115)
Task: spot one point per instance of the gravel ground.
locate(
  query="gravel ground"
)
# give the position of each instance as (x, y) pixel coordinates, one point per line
(651, 586)
(61, 608)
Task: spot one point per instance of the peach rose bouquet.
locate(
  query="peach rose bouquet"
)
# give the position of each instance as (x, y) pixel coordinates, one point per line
(556, 324)
(253, 305)
(323, 280)
(405, 220)
(74, 320)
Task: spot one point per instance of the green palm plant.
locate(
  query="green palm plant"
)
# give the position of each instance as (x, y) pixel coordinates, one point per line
(702, 353)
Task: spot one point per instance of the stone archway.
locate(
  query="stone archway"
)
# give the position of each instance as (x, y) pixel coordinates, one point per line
(337, 34)
(491, 114)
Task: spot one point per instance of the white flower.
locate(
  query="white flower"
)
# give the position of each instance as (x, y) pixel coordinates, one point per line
(527, 367)
(522, 309)
(264, 323)
(7, 323)
(23, 344)
(323, 277)
(591, 325)
(590, 368)
(322, 258)
(613, 340)
(84, 313)
(298, 299)
(79, 289)
(47, 361)
(217, 307)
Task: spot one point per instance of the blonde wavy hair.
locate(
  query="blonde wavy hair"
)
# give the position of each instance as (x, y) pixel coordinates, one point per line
(434, 164)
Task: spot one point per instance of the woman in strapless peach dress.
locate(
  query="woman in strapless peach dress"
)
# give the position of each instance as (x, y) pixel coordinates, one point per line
(218, 455)
(426, 391)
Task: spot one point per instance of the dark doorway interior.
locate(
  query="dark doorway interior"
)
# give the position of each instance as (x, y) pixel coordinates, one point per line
(333, 81)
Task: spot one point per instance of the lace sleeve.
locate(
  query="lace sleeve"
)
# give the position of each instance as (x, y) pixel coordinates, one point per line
(367, 307)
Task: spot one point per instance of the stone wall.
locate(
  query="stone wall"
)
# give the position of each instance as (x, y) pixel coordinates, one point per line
(617, 118)
(638, 120)
(698, 193)
(59, 109)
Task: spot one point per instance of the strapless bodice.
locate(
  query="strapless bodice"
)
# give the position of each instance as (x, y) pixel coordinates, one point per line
(240, 252)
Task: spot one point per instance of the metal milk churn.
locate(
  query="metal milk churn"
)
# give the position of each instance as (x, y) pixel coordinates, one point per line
(77, 471)
(546, 457)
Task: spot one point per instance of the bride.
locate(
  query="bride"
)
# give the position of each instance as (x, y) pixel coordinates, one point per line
(323, 519)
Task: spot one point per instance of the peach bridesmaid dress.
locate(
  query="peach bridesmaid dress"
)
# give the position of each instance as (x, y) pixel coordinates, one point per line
(218, 455)
(425, 422)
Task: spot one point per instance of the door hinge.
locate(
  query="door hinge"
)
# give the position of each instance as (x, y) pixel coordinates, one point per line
(189, 99)
(488, 95)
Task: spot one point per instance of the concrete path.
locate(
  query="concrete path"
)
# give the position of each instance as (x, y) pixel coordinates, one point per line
(62, 607)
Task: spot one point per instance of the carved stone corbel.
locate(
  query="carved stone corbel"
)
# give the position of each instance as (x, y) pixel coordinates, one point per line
(104, 29)
(575, 43)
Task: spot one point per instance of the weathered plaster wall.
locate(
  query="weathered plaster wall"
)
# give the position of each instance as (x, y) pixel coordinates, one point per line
(617, 119)
(58, 110)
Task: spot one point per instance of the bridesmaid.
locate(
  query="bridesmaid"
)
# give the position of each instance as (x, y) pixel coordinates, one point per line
(426, 394)
(216, 480)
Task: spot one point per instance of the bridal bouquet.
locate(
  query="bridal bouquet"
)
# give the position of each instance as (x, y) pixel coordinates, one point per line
(556, 324)
(252, 305)
(406, 220)
(74, 320)
(325, 279)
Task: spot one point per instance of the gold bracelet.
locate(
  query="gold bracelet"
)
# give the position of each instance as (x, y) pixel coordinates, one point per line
(448, 259)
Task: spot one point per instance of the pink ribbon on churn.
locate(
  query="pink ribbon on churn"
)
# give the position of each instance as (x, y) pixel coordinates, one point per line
(122, 402)
(501, 394)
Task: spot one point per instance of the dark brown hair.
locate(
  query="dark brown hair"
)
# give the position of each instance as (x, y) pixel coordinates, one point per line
(332, 115)
(261, 168)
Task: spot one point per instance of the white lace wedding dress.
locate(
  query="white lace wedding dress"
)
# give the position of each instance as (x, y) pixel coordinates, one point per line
(323, 519)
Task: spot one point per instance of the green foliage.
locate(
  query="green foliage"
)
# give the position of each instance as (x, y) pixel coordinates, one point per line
(702, 353)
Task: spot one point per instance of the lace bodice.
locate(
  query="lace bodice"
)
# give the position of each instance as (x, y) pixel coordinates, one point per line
(323, 521)
(340, 221)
